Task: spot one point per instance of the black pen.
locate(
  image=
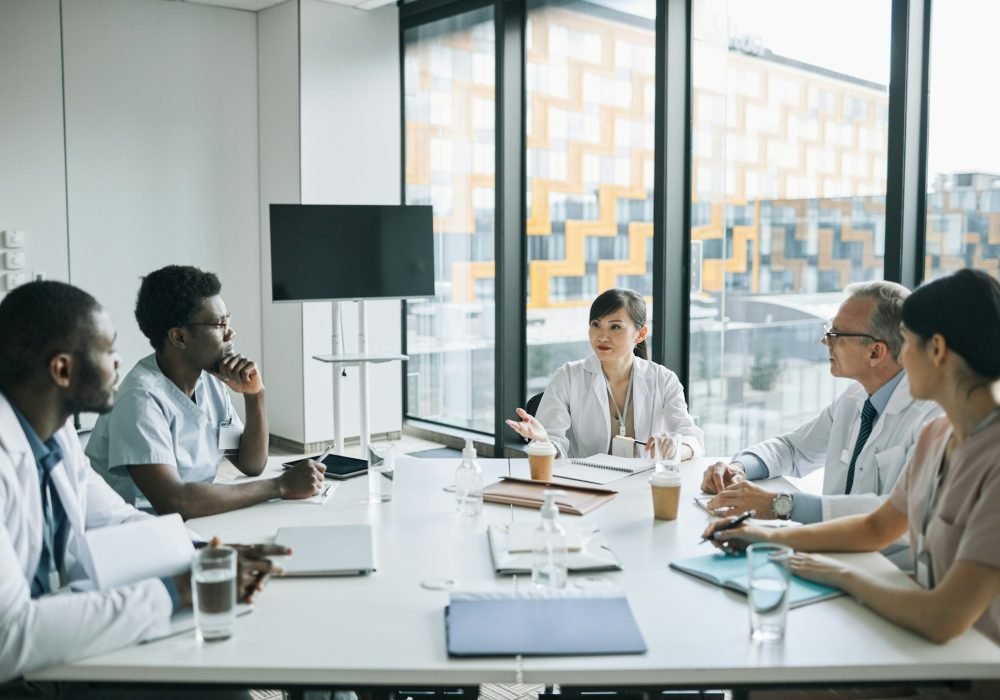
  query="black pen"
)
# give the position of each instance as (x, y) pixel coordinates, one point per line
(729, 526)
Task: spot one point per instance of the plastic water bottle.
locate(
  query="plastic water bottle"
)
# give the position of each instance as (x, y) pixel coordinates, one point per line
(548, 567)
(469, 483)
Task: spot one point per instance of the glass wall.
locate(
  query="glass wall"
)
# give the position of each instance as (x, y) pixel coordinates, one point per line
(450, 141)
(589, 103)
(789, 142)
(963, 160)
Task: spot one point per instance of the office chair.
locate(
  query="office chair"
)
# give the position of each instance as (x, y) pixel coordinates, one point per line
(532, 405)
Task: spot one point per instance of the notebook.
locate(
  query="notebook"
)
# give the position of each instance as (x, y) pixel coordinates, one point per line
(730, 572)
(601, 469)
(327, 550)
(525, 492)
(541, 624)
(511, 549)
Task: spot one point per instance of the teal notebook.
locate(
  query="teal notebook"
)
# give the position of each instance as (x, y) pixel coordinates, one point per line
(730, 572)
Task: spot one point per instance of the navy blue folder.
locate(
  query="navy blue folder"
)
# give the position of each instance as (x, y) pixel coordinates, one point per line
(531, 625)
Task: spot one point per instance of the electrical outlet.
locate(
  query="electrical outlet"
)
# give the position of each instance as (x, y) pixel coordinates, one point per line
(13, 238)
(13, 280)
(14, 259)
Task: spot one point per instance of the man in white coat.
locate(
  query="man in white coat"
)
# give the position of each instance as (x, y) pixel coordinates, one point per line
(57, 358)
(863, 439)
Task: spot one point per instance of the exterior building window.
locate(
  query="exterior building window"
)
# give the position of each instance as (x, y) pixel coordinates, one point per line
(800, 213)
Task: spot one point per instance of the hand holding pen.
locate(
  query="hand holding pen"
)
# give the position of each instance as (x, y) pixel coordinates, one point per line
(713, 530)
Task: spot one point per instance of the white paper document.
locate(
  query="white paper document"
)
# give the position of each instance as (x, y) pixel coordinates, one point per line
(142, 549)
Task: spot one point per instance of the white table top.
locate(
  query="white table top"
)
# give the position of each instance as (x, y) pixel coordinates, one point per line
(387, 629)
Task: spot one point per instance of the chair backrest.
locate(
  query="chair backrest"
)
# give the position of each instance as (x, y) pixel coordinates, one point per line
(532, 405)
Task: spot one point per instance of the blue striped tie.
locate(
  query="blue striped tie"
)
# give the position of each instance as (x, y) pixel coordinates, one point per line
(868, 415)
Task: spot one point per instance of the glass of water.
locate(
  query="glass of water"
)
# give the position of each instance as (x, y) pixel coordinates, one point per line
(668, 451)
(213, 591)
(769, 571)
(381, 469)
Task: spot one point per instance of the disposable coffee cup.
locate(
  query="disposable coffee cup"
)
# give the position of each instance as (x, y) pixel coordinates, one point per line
(541, 456)
(666, 490)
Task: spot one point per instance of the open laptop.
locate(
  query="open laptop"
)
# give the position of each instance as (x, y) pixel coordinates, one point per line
(327, 550)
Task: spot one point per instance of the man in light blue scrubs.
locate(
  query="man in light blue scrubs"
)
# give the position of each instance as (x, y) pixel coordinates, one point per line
(173, 422)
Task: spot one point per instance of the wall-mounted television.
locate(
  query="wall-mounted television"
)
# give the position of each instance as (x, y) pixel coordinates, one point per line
(326, 252)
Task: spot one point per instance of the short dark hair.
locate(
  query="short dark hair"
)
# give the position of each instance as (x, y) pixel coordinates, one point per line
(170, 297)
(634, 305)
(965, 309)
(39, 321)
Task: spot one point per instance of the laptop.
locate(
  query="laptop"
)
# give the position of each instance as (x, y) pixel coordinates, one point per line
(327, 550)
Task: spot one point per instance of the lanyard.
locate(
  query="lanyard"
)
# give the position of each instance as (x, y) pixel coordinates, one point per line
(622, 416)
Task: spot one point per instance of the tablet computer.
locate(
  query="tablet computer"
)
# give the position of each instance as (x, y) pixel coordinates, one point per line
(338, 466)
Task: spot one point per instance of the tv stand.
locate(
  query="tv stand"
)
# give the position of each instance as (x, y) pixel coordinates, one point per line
(361, 360)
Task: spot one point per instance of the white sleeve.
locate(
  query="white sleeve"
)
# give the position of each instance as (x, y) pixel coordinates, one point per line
(554, 413)
(54, 629)
(677, 417)
(799, 451)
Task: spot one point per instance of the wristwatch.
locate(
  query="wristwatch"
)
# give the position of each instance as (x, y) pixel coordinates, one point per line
(781, 504)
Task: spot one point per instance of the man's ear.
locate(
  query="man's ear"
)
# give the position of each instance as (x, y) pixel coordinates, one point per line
(177, 336)
(61, 369)
(879, 352)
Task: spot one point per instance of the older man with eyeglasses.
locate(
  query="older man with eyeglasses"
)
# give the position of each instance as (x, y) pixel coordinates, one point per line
(174, 423)
(863, 439)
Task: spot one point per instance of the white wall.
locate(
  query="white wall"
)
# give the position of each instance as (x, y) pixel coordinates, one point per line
(32, 176)
(161, 132)
(278, 57)
(351, 155)
(346, 100)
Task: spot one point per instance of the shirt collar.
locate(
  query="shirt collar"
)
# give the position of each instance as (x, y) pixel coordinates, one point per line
(880, 399)
(47, 454)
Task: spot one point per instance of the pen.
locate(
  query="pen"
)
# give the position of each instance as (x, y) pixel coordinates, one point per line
(729, 526)
(324, 454)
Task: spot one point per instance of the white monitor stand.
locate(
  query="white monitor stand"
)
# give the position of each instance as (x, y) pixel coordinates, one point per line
(361, 360)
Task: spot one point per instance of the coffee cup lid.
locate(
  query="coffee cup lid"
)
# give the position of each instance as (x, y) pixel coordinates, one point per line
(668, 478)
(540, 448)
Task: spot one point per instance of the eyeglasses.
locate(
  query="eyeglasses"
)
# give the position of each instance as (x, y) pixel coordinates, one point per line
(218, 325)
(831, 334)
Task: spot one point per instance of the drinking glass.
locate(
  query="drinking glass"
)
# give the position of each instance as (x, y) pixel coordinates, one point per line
(381, 468)
(213, 590)
(769, 573)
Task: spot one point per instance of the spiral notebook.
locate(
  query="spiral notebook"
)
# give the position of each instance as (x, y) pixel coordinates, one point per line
(601, 469)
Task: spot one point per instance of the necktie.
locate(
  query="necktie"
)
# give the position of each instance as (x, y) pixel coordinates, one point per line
(868, 415)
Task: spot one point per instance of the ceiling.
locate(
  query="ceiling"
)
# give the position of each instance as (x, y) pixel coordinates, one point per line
(255, 5)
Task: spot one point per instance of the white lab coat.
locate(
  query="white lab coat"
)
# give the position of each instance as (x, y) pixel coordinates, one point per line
(828, 441)
(576, 414)
(65, 626)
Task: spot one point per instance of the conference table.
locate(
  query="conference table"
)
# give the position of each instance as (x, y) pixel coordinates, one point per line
(387, 629)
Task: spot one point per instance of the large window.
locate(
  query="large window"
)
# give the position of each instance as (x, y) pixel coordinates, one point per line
(589, 103)
(449, 105)
(963, 162)
(789, 146)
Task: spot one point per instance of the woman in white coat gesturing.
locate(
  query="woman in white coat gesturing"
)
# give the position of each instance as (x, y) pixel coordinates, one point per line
(615, 391)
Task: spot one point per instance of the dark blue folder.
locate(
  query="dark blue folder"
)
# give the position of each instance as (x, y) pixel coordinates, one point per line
(530, 625)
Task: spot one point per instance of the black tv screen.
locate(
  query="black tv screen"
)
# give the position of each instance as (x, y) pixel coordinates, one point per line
(325, 252)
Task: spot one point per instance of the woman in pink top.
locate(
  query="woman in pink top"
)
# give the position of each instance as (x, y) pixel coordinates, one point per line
(949, 496)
